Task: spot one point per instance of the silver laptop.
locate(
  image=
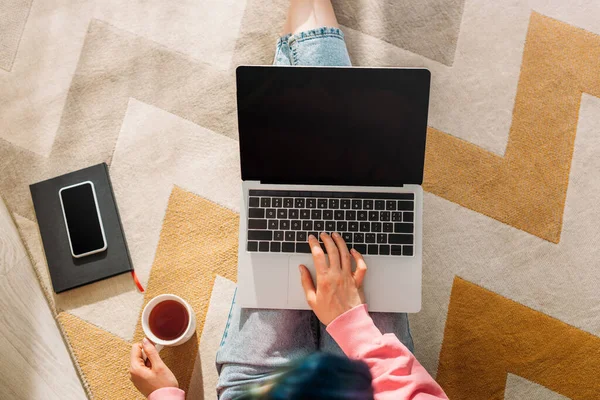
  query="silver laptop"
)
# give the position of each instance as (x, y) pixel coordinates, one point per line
(331, 149)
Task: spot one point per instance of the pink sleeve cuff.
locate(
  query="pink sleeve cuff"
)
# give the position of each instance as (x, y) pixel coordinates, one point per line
(354, 331)
(168, 393)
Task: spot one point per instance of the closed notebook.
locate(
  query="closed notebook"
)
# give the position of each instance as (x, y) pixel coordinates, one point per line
(66, 271)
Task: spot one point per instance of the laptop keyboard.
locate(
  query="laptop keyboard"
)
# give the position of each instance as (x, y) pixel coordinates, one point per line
(279, 221)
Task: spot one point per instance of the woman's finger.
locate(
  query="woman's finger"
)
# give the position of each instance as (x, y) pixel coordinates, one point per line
(309, 286)
(361, 268)
(345, 259)
(318, 255)
(136, 356)
(332, 251)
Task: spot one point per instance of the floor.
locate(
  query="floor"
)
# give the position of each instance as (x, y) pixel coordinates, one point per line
(34, 361)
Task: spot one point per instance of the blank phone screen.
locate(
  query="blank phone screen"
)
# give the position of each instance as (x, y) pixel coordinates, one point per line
(83, 223)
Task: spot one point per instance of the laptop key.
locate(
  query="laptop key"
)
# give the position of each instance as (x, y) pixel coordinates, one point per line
(304, 214)
(290, 236)
(307, 226)
(273, 224)
(400, 239)
(372, 249)
(276, 202)
(284, 224)
(338, 215)
(322, 203)
(275, 247)
(254, 202)
(367, 204)
(356, 204)
(296, 225)
(265, 202)
(288, 247)
(361, 248)
(257, 224)
(375, 226)
(330, 226)
(347, 237)
(299, 203)
(260, 235)
(408, 217)
(350, 215)
(319, 226)
(256, 213)
(359, 238)
(384, 216)
(334, 203)
(407, 250)
(381, 238)
(345, 204)
(353, 226)
(373, 216)
(396, 250)
(388, 227)
(400, 227)
(271, 213)
(315, 214)
(370, 238)
(278, 235)
(390, 205)
(301, 237)
(293, 213)
(282, 213)
(379, 205)
(311, 203)
(252, 246)
(365, 227)
(263, 246)
(384, 249)
(302, 248)
(341, 226)
(327, 214)
(406, 205)
(315, 234)
(397, 216)
(288, 202)
(361, 215)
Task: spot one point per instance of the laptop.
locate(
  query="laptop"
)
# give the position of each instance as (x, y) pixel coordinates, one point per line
(331, 149)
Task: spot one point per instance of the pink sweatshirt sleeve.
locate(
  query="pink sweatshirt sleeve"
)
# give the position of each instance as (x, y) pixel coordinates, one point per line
(396, 372)
(168, 393)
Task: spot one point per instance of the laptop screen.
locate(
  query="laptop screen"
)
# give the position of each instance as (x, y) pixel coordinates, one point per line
(332, 126)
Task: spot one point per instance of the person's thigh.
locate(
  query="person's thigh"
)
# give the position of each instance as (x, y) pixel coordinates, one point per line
(256, 343)
(396, 323)
(317, 47)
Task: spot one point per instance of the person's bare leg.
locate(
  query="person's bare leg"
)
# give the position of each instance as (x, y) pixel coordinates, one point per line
(304, 15)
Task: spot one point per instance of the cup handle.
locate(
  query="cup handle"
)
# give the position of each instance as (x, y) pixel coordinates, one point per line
(159, 347)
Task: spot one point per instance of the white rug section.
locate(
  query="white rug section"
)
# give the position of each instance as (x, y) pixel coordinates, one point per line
(518, 388)
(35, 90)
(205, 377)
(560, 280)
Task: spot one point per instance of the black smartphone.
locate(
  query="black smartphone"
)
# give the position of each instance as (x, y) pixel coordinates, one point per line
(82, 219)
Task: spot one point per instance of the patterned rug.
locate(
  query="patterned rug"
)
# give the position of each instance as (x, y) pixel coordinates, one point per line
(511, 302)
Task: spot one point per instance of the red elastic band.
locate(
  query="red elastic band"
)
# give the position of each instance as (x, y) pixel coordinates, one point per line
(137, 282)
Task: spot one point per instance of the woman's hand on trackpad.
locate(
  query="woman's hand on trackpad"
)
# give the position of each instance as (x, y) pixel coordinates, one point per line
(338, 289)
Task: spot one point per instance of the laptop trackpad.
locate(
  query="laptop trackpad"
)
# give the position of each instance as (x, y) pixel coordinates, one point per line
(296, 297)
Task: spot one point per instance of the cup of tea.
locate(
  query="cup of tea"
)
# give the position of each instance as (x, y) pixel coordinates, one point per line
(168, 320)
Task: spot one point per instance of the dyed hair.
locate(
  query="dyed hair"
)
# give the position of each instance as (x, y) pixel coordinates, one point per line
(319, 376)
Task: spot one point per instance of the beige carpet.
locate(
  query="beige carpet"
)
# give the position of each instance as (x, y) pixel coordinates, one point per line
(511, 170)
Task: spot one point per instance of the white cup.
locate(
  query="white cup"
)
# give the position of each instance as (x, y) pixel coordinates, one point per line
(159, 343)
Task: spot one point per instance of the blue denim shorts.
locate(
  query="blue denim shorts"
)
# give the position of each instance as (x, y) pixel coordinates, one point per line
(318, 47)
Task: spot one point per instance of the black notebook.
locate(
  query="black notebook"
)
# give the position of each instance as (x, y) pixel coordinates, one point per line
(66, 271)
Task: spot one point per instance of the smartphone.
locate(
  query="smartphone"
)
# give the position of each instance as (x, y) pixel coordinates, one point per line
(82, 219)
